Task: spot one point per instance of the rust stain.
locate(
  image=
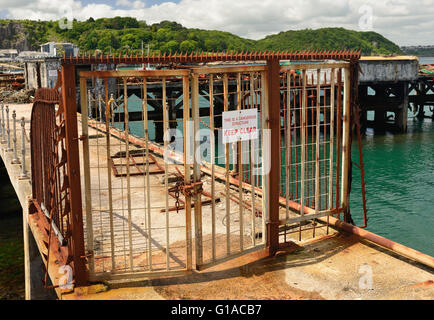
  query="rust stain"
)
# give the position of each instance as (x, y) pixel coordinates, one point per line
(423, 284)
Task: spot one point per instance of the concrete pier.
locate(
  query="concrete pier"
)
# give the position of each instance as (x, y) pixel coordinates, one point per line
(334, 266)
(384, 86)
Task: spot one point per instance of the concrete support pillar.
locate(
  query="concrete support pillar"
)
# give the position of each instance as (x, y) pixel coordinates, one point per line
(401, 114)
(33, 266)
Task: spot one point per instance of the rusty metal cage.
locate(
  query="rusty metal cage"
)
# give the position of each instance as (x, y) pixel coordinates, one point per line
(152, 207)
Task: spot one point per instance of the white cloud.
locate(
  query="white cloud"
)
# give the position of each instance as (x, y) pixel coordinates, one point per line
(404, 22)
(131, 4)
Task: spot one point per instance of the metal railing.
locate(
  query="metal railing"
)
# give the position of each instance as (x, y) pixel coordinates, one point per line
(8, 135)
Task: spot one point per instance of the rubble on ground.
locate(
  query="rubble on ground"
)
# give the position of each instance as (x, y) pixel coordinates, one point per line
(8, 95)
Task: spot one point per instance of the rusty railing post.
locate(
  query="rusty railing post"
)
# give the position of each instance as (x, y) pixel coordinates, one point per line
(73, 169)
(3, 124)
(23, 174)
(15, 160)
(274, 174)
(8, 130)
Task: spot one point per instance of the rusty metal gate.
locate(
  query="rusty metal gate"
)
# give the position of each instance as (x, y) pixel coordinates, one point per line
(314, 158)
(233, 223)
(131, 228)
(138, 191)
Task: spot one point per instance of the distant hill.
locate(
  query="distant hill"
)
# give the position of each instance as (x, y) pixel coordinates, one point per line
(427, 51)
(371, 43)
(122, 34)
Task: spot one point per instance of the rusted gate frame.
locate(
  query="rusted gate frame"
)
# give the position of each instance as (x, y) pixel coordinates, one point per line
(207, 75)
(301, 55)
(51, 185)
(143, 74)
(307, 83)
(272, 58)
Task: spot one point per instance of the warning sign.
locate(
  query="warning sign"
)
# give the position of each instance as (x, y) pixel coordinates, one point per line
(240, 125)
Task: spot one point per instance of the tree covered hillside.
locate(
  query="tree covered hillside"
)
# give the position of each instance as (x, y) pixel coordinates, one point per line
(126, 34)
(371, 43)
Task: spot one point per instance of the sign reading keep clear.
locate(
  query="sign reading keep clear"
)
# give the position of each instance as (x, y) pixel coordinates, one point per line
(240, 125)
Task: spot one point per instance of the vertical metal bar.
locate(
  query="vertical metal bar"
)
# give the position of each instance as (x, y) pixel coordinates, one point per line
(265, 154)
(166, 136)
(338, 138)
(89, 102)
(148, 183)
(8, 129)
(345, 141)
(212, 129)
(196, 169)
(227, 176)
(317, 149)
(86, 169)
(317, 145)
(251, 165)
(108, 114)
(23, 174)
(240, 169)
(331, 143)
(287, 140)
(73, 169)
(127, 157)
(15, 159)
(187, 163)
(3, 124)
(274, 175)
(303, 148)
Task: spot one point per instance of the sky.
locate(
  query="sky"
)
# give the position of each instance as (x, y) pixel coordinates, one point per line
(405, 22)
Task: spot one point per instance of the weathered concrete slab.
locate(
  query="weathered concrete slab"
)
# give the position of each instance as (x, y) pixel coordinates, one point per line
(332, 267)
(388, 69)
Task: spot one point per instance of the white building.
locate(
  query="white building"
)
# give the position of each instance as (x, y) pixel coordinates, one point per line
(8, 54)
(60, 48)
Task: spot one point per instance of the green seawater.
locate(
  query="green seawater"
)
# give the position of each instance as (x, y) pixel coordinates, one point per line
(399, 174)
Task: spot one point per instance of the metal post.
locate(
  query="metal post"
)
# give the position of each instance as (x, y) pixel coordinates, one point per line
(73, 168)
(3, 125)
(15, 160)
(274, 175)
(23, 174)
(8, 129)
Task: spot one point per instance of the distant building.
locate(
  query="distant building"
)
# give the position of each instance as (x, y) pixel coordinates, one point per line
(41, 72)
(60, 49)
(8, 54)
(26, 55)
